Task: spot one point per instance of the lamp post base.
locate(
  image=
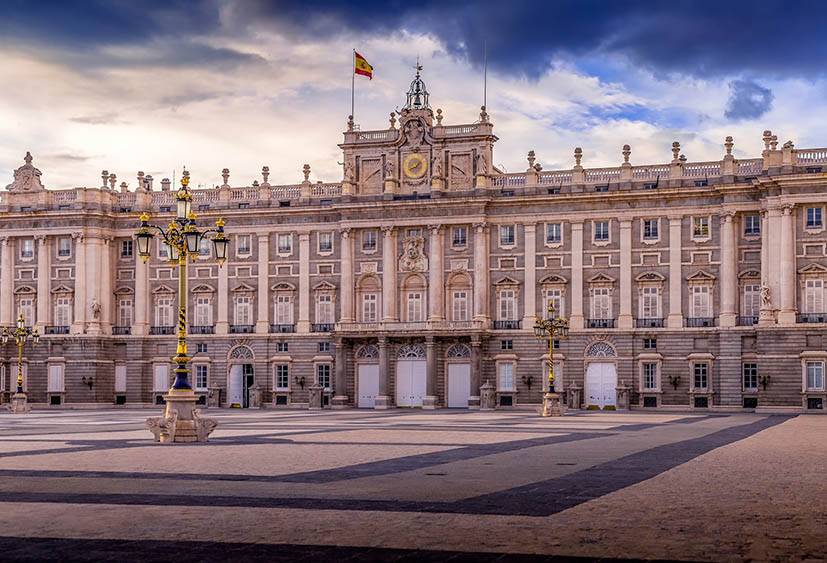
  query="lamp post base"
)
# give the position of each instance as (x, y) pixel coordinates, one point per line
(181, 422)
(19, 404)
(552, 405)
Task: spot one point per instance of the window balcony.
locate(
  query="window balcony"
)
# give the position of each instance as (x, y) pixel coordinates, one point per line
(156, 330)
(202, 329)
(283, 328)
(600, 323)
(649, 323)
(242, 329)
(121, 330)
(811, 318)
(507, 325)
(747, 320)
(57, 330)
(699, 322)
(322, 327)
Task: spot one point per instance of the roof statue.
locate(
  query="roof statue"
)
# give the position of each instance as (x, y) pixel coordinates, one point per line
(26, 178)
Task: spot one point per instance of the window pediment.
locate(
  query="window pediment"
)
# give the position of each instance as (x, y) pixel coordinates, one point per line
(601, 279)
(25, 289)
(701, 277)
(163, 289)
(243, 288)
(813, 270)
(747, 274)
(63, 289)
(554, 279)
(203, 288)
(283, 286)
(506, 282)
(324, 286)
(123, 290)
(650, 277)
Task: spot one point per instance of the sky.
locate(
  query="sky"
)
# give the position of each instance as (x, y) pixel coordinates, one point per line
(154, 85)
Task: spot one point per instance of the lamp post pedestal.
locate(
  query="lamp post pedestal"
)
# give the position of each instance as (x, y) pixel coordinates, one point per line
(552, 405)
(19, 404)
(181, 421)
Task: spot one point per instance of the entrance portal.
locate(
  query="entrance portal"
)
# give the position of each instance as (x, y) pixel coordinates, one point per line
(411, 378)
(601, 381)
(459, 385)
(368, 384)
(241, 379)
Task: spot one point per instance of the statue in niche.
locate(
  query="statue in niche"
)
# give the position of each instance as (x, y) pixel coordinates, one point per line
(349, 172)
(436, 166)
(96, 309)
(388, 169)
(482, 165)
(766, 300)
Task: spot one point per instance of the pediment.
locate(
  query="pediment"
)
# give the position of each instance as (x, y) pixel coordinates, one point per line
(242, 287)
(554, 279)
(283, 286)
(701, 276)
(813, 269)
(650, 277)
(203, 288)
(601, 278)
(123, 289)
(62, 288)
(163, 289)
(749, 274)
(506, 280)
(324, 286)
(25, 289)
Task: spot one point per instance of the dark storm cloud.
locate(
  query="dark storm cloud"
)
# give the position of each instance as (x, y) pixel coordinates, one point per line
(747, 100)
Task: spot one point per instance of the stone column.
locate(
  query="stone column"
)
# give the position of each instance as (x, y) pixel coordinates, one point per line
(346, 288)
(729, 267)
(675, 319)
(44, 296)
(624, 320)
(106, 280)
(222, 325)
(787, 265)
(6, 279)
(774, 255)
(765, 315)
(383, 400)
(576, 321)
(140, 324)
(303, 325)
(429, 402)
(263, 296)
(340, 397)
(93, 285)
(476, 372)
(530, 289)
(389, 312)
(436, 286)
(481, 272)
(79, 320)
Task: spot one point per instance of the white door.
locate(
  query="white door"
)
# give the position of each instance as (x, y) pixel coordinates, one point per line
(161, 378)
(368, 384)
(410, 383)
(419, 378)
(609, 386)
(237, 385)
(459, 385)
(601, 381)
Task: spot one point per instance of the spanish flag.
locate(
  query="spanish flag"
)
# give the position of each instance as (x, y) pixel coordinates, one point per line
(362, 66)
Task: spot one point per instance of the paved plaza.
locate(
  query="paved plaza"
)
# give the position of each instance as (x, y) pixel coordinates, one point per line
(411, 485)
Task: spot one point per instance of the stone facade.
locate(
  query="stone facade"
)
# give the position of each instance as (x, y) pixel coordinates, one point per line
(697, 285)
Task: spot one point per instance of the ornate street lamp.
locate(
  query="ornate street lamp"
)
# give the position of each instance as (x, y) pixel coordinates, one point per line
(183, 240)
(20, 334)
(552, 328)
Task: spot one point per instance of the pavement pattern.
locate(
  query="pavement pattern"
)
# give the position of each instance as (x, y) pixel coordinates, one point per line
(407, 485)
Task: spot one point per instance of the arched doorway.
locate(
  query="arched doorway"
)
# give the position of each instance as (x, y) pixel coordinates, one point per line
(240, 376)
(458, 378)
(411, 378)
(367, 376)
(601, 376)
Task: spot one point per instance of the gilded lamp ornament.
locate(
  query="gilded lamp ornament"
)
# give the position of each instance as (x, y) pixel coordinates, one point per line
(551, 328)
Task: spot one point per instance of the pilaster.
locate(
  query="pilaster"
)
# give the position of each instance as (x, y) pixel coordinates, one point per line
(576, 321)
(7, 279)
(389, 312)
(729, 267)
(222, 325)
(530, 289)
(106, 281)
(787, 265)
(624, 320)
(263, 297)
(43, 276)
(383, 400)
(81, 276)
(303, 326)
(436, 275)
(346, 288)
(481, 272)
(675, 319)
(429, 402)
(92, 307)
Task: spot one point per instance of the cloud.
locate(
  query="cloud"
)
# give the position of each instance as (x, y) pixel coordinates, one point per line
(98, 119)
(747, 100)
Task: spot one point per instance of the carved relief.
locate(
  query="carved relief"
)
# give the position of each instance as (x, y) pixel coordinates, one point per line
(26, 178)
(413, 257)
(371, 176)
(414, 133)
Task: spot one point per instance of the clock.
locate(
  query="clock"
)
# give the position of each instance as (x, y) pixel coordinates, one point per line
(415, 165)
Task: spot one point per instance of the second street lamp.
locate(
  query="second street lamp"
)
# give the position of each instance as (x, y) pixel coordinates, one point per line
(552, 328)
(19, 401)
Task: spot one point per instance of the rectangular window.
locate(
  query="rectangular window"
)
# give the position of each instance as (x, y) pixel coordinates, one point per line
(814, 218)
(508, 305)
(161, 379)
(459, 306)
(555, 297)
(369, 240)
(459, 237)
(650, 229)
(125, 312)
(601, 188)
(650, 376)
(701, 377)
(814, 296)
(700, 227)
(650, 343)
(601, 230)
(201, 348)
(284, 310)
(324, 346)
(815, 376)
(369, 309)
(27, 248)
(506, 377)
(163, 311)
(63, 309)
(244, 244)
(163, 251)
(324, 309)
(204, 247)
(415, 307)
(26, 306)
(282, 377)
(752, 300)
(282, 347)
(507, 235)
(750, 377)
(56, 379)
(601, 303)
(325, 242)
(700, 302)
(126, 249)
(243, 310)
(323, 375)
(752, 225)
(506, 344)
(650, 303)
(201, 377)
(120, 378)
(414, 232)
(64, 246)
(285, 244)
(203, 311)
(554, 233)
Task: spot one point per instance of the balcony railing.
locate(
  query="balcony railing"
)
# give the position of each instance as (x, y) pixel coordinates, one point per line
(699, 322)
(202, 329)
(321, 327)
(283, 328)
(811, 318)
(242, 329)
(57, 330)
(649, 323)
(507, 325)
(746, 320)
(121, 330)
(600, 323)
(155, 330)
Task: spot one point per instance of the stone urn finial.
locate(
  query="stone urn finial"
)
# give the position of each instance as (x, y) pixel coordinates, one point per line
(439, 116)
(140, 179)
(578, 155)
(767, 139)
(148, 182)
(627, 151)
(265, 173)
(225, 174)
(113, 179)
(306, 172)
(682, 158)
(728, 144)
(104, 178)
(774, 142)
(531, 159)
(124, 187)
(393, 120)
(676, 149)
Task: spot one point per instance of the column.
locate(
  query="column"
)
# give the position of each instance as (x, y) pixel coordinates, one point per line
(389, 312)
(774, 255)
(383, 401)
(729, 267)
(530, 289)
(765, 315)
(44, 296)
(436, 285)
(106, 279)
(79, 320)
(263, 296)
(304, 283)
(476, 372)
(429, 402)
(624, 320)
(222, 325)
(346, 289)
(340, 398)
(140, 324)
(787, 263)
(576, 320)
(93, 285)
(675, 319)
(6, 282)
(481, 272)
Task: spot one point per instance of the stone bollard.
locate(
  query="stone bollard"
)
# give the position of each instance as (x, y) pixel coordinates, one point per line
(623, 393)
(255, 396)
(213, 397)
(315, 402)
(487, 401)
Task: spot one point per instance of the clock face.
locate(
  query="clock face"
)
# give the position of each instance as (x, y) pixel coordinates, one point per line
(415, 165)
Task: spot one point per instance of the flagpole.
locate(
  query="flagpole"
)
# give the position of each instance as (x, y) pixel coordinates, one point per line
(352, 82)
(485, 75)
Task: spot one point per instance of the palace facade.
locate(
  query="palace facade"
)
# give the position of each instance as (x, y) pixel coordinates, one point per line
(415, 280)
